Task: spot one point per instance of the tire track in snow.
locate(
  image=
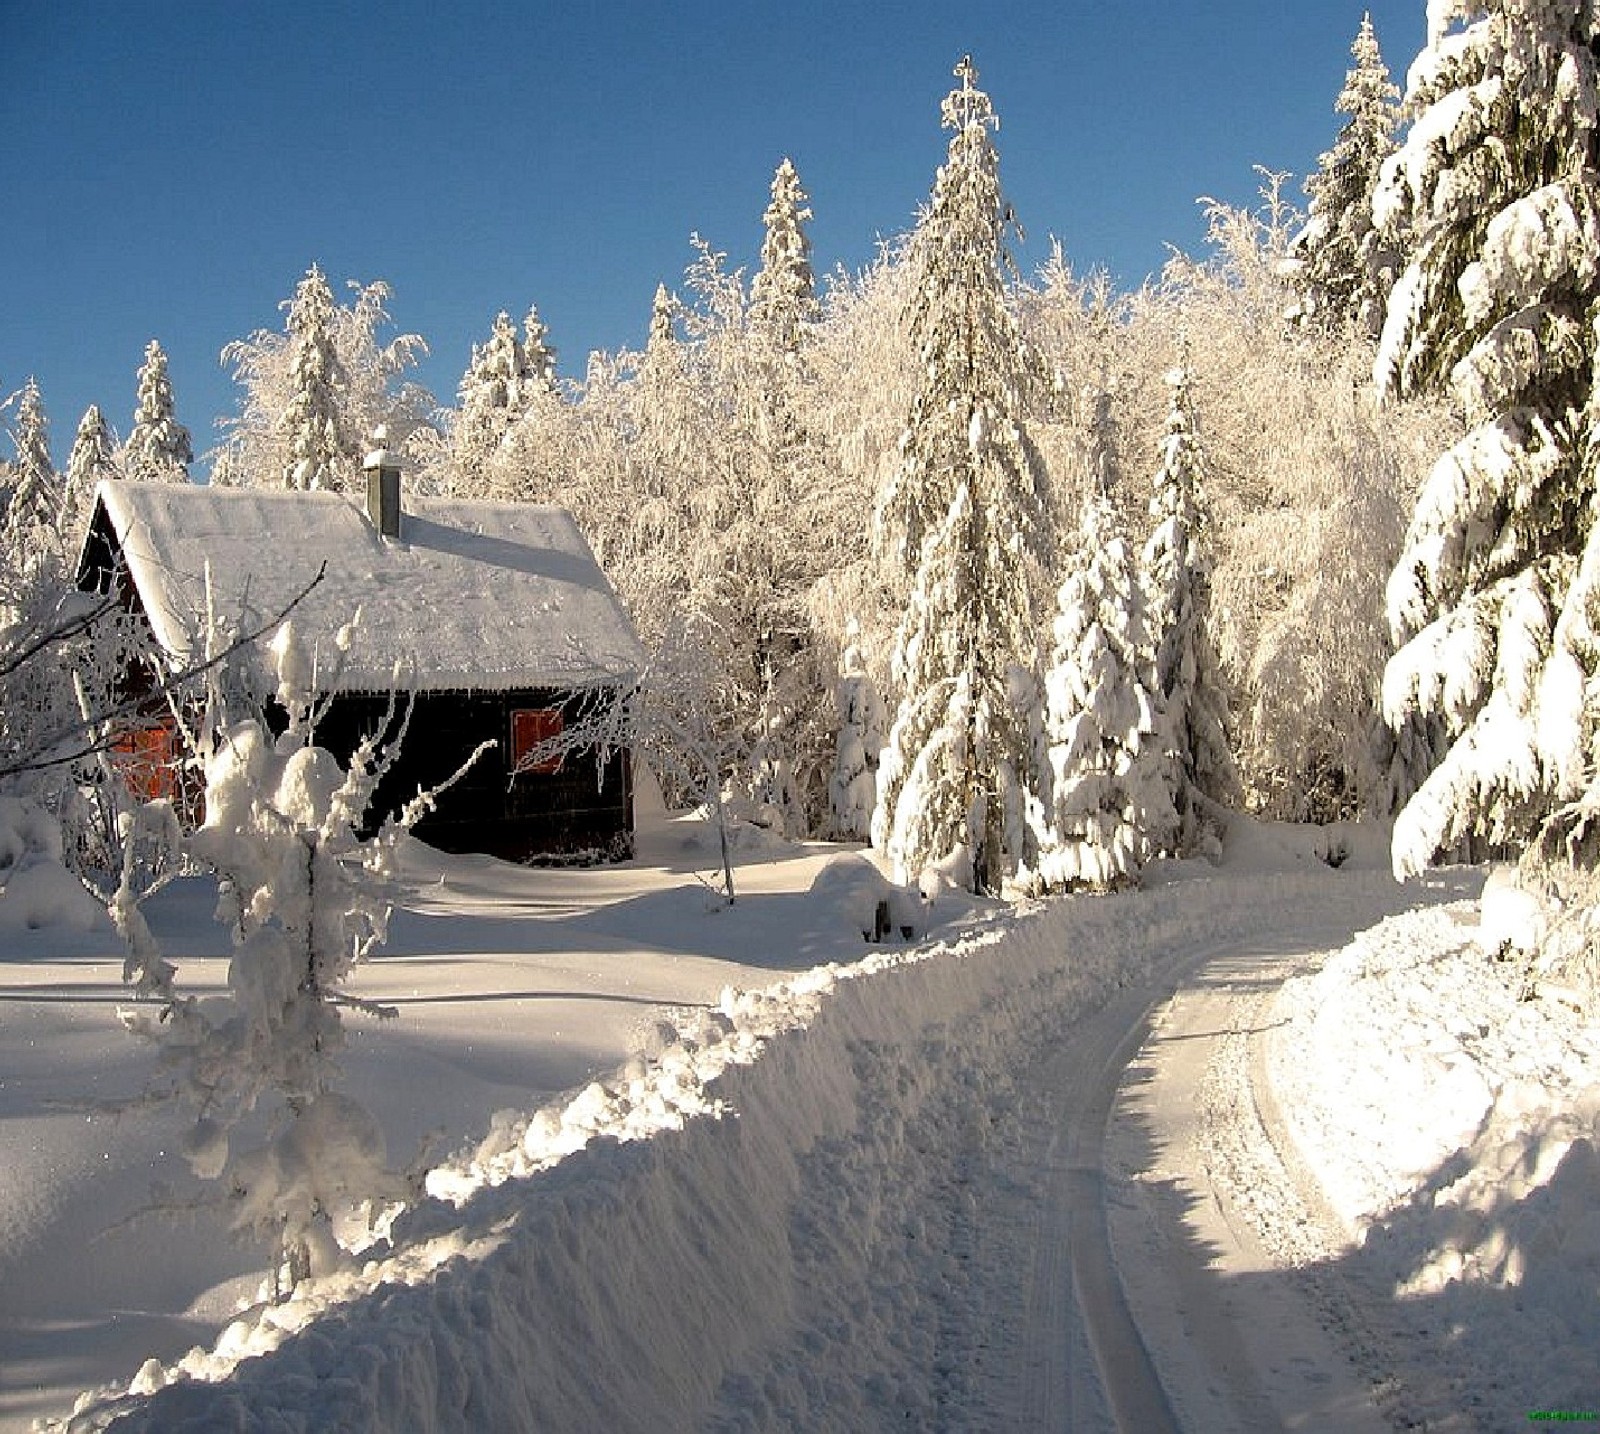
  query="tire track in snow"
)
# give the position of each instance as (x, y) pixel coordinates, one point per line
(1073, 1286)
(1245, 1340)
(1083, 1075)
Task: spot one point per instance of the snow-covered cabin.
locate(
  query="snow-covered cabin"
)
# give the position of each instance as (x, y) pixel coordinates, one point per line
(495, 616)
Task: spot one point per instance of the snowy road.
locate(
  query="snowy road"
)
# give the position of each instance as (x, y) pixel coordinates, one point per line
(1162, 1179)
(1214, 1214)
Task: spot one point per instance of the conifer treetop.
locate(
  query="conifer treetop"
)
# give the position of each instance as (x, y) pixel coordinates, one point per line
(159, 447)
(314, 417)
(93, 457)
(1348, 264)
(783, 298)
(36, 497)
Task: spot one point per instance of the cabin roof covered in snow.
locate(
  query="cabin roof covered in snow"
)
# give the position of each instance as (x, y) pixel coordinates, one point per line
(472, 595)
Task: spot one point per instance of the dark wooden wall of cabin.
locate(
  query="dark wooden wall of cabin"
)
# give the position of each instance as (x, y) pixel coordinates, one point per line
(579, 812)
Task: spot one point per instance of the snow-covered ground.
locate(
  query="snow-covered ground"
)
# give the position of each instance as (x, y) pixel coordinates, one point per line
(730, 1168)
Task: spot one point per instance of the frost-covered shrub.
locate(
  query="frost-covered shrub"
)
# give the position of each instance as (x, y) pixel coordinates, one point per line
(303, 895)
(36, 890)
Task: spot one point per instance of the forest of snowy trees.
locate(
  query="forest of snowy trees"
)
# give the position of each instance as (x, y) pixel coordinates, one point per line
(1026, 579)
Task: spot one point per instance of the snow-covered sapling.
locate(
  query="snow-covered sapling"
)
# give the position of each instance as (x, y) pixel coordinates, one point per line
(304, 895)
(853, 789)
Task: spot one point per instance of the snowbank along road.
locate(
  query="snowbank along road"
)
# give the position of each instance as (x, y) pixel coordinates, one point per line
(926, 1190)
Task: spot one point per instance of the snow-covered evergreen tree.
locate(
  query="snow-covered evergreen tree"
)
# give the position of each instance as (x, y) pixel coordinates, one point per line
(1108, 809)
(510, 375)
(490, 396)
(33, 515)
(312, 393)
(1189, 686)
(538, 354)
(862, 722)
(93, 457)
(663, 318)
(1345, 266)
(963, 517)
(321, 450)
(159, 448)
(1494, 599)
(783, 294)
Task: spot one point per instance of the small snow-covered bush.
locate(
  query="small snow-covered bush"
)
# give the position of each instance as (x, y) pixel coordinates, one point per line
(868, 901)
(303, 894)
(36, 890)
(1546, 913)
(28, 834)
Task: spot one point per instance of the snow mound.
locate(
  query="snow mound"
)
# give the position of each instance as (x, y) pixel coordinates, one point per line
(868, 901)
(46, 895)
(1510, 917)
(36, 891)
(1454, 1128)
(1250, 844)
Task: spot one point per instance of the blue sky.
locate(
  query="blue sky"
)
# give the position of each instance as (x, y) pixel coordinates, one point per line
(173, 167)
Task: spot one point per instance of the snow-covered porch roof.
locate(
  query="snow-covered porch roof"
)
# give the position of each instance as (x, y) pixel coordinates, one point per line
(473, 595)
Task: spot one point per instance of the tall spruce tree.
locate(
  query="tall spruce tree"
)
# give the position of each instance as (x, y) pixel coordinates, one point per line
(964, 521)
(1189, 686)
(1346, 265)
(321, 453)
(93, 457)
(1108, 809)
(1495, 600)
(159, 448)
(783, 294)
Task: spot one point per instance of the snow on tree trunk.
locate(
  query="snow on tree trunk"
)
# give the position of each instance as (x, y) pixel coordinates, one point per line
(853, 788)
(1188, 681)
(963, 515)
(1490, 602)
